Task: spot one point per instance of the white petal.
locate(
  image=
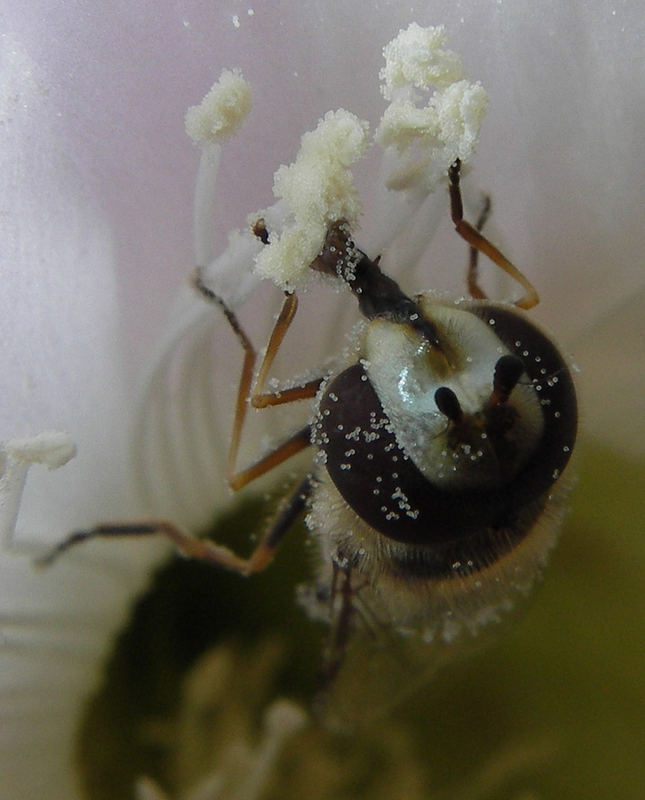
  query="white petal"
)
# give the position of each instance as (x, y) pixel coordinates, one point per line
(100, 188)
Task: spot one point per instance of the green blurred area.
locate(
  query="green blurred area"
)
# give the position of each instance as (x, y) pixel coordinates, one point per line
(571, 673)
(554, 707)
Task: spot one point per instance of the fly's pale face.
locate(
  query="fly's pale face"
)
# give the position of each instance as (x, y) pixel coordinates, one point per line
(406, 373)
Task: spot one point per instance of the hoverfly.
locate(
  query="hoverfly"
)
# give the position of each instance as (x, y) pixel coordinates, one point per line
(436, 486)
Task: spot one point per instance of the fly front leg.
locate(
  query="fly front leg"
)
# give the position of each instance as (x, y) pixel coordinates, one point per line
(481, 244)
(200, 549)
(472, 278)
(254, 394)
(205, 550)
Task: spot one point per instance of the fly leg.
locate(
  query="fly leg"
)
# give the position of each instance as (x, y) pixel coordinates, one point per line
(200, 549)
(481, 244)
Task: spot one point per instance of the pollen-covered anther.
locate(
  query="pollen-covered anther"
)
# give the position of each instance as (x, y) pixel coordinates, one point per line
(434, 114)
(318, 191)
(223, 110)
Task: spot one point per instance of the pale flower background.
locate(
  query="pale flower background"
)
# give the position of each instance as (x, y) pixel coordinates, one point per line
(96, 239)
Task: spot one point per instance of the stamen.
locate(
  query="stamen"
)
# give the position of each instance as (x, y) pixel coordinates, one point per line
(434, 116)
(415, 58)
(427, 138)
(318, 190)
(249, 775)
(219, 116)
(51, 449)
(222, 112)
